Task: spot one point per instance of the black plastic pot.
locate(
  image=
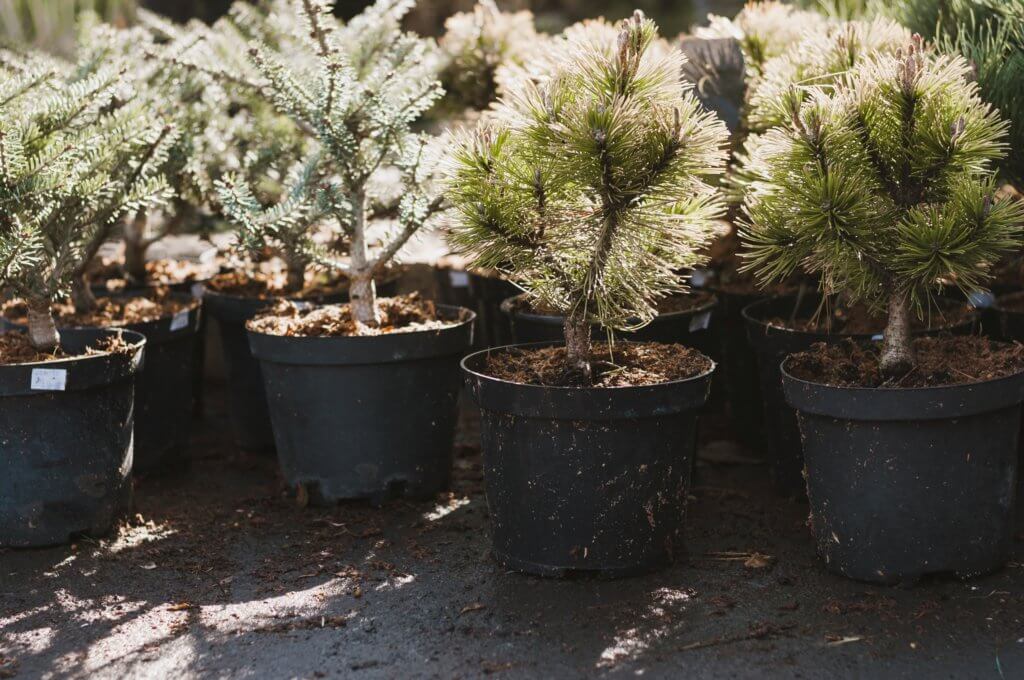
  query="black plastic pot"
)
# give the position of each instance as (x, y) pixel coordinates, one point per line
(366, 417)
(908, 482)
(693, 327)
(586, 480)
(247, 399)
(66, 427)
(772, 344)
(493, 326)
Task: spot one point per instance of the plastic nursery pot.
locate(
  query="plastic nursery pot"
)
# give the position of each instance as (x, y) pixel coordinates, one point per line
(66, 427)
(488, 292)
(908, 482)
(772, 344)
(691, 327)
(586, 479)
(247, 400)
(370, 417)
(1008, 311)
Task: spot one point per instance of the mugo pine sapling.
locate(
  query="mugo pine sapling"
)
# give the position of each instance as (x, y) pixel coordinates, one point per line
(591, 188)
(885, 189)
(356, 95)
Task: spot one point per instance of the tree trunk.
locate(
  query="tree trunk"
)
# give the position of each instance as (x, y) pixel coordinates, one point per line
(135, 247)
(897, 341)
(578, 343)
(42, 330)
(81, 294)
(362, 291)
(296, 270)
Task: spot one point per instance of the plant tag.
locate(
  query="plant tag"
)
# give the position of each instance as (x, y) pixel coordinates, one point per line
(179, 320)
(700, 322)
(698, 277)
(50, 379)
(302, 306)
(197, 290)
(458, 279)
(982, 299)
(876, 338)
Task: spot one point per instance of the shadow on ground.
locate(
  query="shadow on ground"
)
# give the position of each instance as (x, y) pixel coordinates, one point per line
(220, 573)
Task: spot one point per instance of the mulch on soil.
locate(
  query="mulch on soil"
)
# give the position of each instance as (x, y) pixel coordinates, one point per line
(154, 304)
(15, 348)
(951, 360)
(621, 365)
(401, 314)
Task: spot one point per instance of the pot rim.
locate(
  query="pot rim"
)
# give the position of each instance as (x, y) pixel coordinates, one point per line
(901, 403)
(770, 329)
(367, 349)
(583, 403)
(508, 307)
(83, 371)
(550, 343)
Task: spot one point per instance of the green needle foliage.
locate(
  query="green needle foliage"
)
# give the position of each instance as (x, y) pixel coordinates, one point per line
(475, 45)
(590, 189)
(886, 188)
(77, 152)
(355, 90)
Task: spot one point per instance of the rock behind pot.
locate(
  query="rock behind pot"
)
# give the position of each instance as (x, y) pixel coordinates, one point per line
(586, 479)
(772, 344)
(368, 416)
(67, 427)
(908, 482)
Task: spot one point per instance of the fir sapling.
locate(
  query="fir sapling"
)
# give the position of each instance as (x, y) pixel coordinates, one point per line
(886, 189)
(73, 160)
(591, 189)
(355, 90)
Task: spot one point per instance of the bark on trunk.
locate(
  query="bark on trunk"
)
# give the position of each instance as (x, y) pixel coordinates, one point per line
(296, 278)
(135, 247)
(578, 343)
(42, 330)
(81, 294)
(362, 291)
(897, 342)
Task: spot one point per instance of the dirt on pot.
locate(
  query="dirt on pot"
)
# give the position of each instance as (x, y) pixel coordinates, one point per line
(152, 305)
(941, 361)
(621, 365)
(401, 314)
(859, 319)
(15, 348)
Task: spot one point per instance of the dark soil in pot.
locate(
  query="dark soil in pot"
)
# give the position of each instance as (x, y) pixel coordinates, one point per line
(66, 424)
(779, 326)
(912, 476)
(588, 479)
(683, 319)
(363, 416)
(165, 385)
(232, 300)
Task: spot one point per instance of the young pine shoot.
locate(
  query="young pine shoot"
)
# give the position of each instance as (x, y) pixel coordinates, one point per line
(590, 189)
(885, 188)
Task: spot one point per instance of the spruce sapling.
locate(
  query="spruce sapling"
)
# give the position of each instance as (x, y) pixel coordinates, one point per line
(590, 189)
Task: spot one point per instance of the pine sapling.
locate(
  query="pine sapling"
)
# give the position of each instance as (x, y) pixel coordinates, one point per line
(885, 188)
(590, 188)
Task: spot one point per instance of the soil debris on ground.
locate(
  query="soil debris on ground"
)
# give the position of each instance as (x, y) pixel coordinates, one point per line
(941, 361)
(401, 314)
(625, 364)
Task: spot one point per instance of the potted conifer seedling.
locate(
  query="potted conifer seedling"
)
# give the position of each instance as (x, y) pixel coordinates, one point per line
(591, 188)
(362, 395)
(142, 159)
(66, 398)
(786, 323)
(886, 188)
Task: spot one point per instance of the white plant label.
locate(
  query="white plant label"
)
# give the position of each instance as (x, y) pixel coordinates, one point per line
(700, 322)
(179, 320)
(303, 306)
(698, 278)
(50, 379)
(458, 279)
(197, 290)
